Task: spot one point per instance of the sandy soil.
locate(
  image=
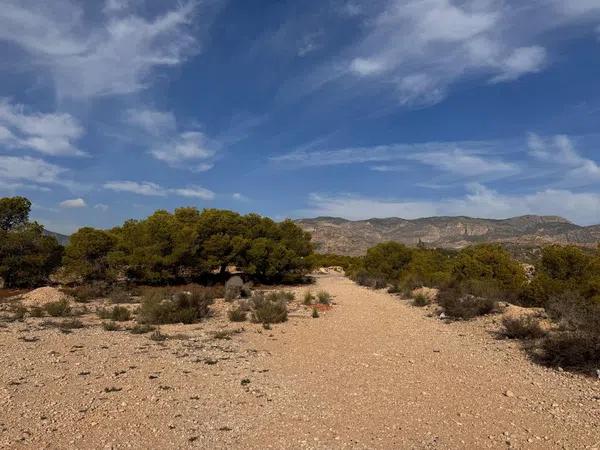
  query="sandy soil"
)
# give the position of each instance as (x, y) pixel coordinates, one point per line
(373, 372)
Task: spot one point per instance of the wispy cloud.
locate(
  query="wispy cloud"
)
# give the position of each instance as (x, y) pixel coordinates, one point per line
(49, 133)
(191, 150)
(466, 159)
(560, 153)
(418, 49)
(117, 55)
(147, 188)
(134, 187)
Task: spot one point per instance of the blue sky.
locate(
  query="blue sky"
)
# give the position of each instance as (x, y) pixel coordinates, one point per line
(112, 109)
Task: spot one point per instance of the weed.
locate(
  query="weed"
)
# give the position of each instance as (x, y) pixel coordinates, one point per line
(315, 313)
(421, 300)
(269, 309)
(111, 326)
(309, 298)
(158, 336)
(59, 308)
(324, 297)
(116, 314)
(182, 307)
(237, 314)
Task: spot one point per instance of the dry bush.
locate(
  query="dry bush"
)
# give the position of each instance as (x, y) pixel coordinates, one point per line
(60, 308)
(522, 327)
(111, 326)
(324, 297)
(465, 306)
(182, 307)
(116, 314)
(120, 295)
(570, 349)
(364, 278)
(237, 314)
(309, 298)
(269, 309)
(141, 329)
(577, 344)
(88, 292)
(421, 300)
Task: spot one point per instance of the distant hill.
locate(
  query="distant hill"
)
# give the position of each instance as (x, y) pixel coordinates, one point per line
(61, 238)
(346, 237)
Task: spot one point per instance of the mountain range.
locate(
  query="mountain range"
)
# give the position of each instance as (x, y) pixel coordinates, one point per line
(346, 237)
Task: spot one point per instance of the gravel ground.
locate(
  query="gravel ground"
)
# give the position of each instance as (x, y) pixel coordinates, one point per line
(372, 372)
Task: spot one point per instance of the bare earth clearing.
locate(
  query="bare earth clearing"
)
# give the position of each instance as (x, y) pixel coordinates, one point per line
(374, 372)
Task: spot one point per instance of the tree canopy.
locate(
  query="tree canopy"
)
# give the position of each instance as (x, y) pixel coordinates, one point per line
(27, 256)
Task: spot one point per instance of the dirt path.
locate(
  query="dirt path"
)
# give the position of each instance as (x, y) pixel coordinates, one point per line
(373, 372)
(378, 373)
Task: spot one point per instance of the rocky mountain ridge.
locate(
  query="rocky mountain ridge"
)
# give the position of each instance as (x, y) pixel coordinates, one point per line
(346, 237)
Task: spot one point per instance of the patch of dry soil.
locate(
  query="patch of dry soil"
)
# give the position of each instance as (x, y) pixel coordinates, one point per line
(372, 372)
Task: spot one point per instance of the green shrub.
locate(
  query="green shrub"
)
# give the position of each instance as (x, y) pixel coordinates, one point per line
(237, 314)
(269, 309)
(489, 263)
(182, 307)
(324, 297)
(387, 260)
(60, 308)
(315, 313)
(421, 300)
(524, 327)
(117, 314)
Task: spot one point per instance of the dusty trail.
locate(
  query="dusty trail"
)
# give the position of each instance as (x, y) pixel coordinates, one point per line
(373, 372)
(377, 372)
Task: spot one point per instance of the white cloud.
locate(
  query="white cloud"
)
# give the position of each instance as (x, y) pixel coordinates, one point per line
(49, 133)
(143, 188)
(423, 47)
(582, 208)
(459, 162)
(195, 192)
(24, 168)
(239, 197)
(457, 158)
(520, 62)
(152, 189)
(85, 59)
(189, 150)
(152, 121)
(560, 152)
(366, 67)
(101, 207)
(73, 203)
